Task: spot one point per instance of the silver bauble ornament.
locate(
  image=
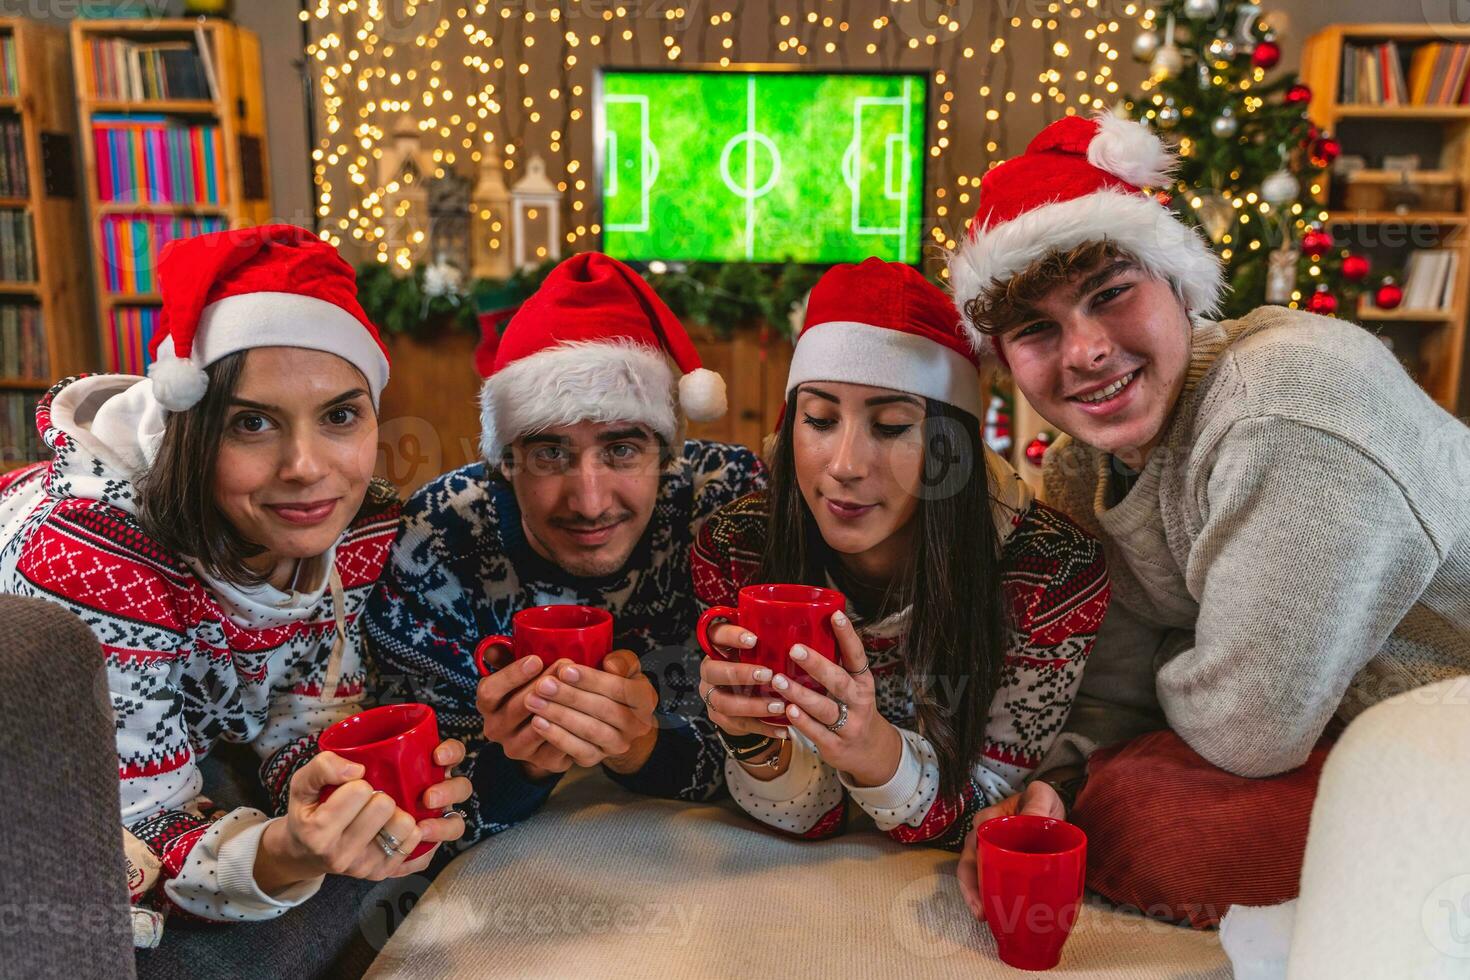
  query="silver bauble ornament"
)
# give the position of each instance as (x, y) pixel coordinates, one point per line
(1145, 45)
(1222, 48)
(1201, 9)
(1167, 115)
(1225, 125)
(1167, 63)
(1280, 188)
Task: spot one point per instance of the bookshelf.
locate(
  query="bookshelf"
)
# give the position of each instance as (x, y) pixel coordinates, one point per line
(53, 304)
(1430, 341)
(157, 167)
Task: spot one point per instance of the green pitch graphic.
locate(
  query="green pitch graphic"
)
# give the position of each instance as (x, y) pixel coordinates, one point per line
(762, 166)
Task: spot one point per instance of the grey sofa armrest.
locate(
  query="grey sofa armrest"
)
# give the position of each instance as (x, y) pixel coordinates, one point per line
(65, 908)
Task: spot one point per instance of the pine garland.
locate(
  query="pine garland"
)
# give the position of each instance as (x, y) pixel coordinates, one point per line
(721, 295)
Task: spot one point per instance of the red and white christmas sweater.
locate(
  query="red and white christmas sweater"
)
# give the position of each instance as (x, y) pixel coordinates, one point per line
(1055, 584)
(191, 661)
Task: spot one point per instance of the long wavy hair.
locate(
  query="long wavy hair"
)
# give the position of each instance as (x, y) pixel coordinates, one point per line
(954, 646)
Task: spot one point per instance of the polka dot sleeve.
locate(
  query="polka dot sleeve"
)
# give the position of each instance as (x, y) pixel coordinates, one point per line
(800, 801)
(217, 880)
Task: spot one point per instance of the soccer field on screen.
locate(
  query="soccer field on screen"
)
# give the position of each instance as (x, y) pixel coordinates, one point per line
(762, 166)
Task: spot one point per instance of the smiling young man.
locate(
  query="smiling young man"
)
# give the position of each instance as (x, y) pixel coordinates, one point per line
(1286, 513)
(588, 495)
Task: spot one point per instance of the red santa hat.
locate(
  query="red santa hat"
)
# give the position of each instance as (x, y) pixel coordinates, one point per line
(267, 286)
(593, 344)
(1081, 180)
(883, 324)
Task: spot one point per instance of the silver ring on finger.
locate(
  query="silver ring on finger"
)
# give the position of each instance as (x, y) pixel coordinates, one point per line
(387, 843)
(841, 717)
(859, 673)
(709, 694)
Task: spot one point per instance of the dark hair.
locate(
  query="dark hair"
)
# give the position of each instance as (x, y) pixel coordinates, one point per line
(176, 495)
(957, 621)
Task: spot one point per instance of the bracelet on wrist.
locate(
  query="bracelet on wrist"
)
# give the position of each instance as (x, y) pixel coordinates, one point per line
(746, 746)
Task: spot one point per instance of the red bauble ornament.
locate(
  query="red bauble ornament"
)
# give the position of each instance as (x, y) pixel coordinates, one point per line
(1324, 150)
(1036, 448)
(1317, 242)
(1389, 294)
(1267, 55)
(1322, 301)
(1298, 94)
(1355, 268)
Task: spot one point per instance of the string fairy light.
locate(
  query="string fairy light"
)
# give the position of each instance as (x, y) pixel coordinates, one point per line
(459, 79)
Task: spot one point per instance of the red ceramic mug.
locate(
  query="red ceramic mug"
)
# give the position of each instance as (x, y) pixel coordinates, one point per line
(395, 743)
(581, 634)
(1032, 870)
(780, 616)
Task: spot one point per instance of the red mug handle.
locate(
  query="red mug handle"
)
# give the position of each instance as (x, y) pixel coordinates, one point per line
(486, 645)
(701, 631)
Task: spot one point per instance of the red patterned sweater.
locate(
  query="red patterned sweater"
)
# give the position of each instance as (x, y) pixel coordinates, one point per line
(190, 661)
(1056, 590)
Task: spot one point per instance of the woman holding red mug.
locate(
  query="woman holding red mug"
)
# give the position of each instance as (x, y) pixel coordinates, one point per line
(217, 526)
(970, 607)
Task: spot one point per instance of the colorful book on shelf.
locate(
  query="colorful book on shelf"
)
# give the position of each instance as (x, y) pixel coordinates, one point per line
(17, 251)
(132, 244)
(132, 327)
(131, 71)
(1429, 280)
(14, 177)
(22, 342)
(20, 442)
(9, 68)
(155, 159)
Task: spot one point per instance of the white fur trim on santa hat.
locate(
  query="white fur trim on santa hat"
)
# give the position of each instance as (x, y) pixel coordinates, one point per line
(252, 320)
(1139, 225)
(585, 381)
(863, 354)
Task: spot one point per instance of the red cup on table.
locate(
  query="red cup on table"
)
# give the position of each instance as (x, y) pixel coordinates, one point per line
(1032, 871)
(780, 616)
(581, 634)
(395, 744)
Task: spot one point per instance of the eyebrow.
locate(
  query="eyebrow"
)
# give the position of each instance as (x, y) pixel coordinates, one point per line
(346, 396)
(873, 402)
(1103, 275)
(618, 435)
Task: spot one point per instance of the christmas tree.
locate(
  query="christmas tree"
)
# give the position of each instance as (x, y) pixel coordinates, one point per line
(1251, 162)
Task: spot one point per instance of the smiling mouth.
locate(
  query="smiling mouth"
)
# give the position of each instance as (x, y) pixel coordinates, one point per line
(1108, 393)
(307, 513)
(593, 535)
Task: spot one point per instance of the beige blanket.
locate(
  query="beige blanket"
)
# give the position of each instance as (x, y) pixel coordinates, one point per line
(606, 884)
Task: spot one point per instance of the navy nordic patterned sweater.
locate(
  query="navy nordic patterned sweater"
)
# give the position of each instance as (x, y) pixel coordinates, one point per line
(461, 567)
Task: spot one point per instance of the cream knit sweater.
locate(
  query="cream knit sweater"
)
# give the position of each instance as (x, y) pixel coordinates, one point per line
(1297, 547)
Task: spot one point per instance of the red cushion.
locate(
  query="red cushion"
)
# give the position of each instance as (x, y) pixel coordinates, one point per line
(1180, 839)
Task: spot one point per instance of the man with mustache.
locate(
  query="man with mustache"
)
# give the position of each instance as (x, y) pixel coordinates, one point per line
(588, 494)
(1286, 514)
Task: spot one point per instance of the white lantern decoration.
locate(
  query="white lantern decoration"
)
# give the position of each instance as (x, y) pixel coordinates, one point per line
(491, 203)
(535, 204)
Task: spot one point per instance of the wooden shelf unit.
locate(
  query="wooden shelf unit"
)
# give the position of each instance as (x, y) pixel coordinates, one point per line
(1441, 333)
(46, 107)
(239, 111)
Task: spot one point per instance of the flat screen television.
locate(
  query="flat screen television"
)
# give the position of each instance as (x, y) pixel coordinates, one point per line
(762, 165)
